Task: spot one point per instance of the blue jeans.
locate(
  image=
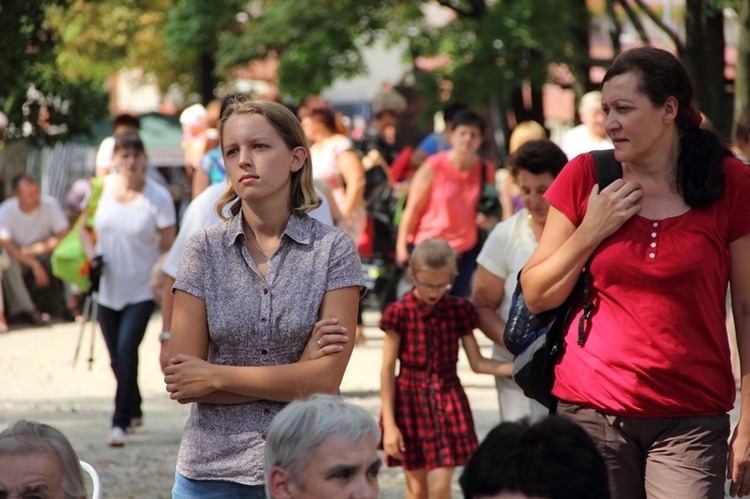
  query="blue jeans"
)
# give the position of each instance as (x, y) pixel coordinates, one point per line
(467, 264)
(187, 488)
(123, 331)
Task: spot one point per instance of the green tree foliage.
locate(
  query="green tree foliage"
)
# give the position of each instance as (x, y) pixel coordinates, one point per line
(40, 102)
(316, 42)
(192, 32)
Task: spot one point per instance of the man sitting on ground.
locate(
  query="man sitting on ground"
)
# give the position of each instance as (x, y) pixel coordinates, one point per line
(31, 227)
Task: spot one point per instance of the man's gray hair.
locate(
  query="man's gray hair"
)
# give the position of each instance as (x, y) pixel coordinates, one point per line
(305, 424)
(30, 437)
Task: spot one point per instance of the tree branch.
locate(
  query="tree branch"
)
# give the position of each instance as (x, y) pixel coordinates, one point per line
(662, 25)
(637, 24)
(614, 27)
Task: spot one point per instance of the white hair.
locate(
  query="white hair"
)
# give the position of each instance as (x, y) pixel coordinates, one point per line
(590, 100)
(305, 424)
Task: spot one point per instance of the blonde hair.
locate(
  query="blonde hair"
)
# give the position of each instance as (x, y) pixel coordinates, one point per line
(524, 132)
(433, 254)
(303, 196)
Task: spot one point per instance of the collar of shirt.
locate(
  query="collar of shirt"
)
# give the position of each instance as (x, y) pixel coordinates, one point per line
(298, 228)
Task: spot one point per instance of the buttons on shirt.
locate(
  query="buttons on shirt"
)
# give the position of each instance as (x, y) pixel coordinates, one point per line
(265, 291)
(264, 352)
(652, 245)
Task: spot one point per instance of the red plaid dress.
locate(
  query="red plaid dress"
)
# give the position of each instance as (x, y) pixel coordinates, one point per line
(432, 410)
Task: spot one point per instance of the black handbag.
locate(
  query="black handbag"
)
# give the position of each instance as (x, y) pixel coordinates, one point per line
(489, 198)
(536, 340)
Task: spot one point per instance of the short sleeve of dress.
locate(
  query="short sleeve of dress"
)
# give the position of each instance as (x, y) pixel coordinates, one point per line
(345, 267)
(569, 192)
(391, 319)
(190, 277)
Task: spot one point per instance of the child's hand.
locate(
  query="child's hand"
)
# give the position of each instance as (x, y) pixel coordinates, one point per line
(393, 442)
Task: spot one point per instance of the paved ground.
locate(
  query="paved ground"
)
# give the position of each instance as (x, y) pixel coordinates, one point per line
(38, 381)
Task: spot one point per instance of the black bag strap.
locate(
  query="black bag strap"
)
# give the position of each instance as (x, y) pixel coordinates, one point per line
(608, 169)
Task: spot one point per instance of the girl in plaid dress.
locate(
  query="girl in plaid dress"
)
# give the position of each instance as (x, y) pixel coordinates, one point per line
(427, 424)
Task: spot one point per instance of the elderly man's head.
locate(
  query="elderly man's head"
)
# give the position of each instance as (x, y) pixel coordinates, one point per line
(36, 460)
(591, 114)
(322, 447)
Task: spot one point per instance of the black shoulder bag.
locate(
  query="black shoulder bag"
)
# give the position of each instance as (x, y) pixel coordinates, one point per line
(536, 340)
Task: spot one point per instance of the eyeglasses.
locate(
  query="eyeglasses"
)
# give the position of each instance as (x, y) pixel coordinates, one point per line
(433, 287)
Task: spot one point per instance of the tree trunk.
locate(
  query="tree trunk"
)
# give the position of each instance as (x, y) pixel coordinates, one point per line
(704, 42)
(742, 72)
(207, 81)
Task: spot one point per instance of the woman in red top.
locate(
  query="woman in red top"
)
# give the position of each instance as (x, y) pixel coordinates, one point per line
(652, 382)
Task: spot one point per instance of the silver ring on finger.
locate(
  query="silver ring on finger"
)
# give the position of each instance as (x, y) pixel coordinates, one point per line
(319, 344)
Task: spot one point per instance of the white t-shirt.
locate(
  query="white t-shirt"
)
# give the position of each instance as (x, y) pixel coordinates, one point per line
(578, 141)
(128, 240)
(508, 247)
(201, 212)
(40, 224)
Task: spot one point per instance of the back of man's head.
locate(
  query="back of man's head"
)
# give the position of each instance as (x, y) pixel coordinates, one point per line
(552, 459)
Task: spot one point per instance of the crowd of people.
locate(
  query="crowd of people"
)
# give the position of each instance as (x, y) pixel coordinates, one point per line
(261, 294)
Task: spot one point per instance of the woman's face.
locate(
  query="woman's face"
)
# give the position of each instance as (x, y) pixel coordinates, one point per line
(130, 162)
(258, 161)
(466, 139)
(314, 128)
(532, 188)
(634, 124)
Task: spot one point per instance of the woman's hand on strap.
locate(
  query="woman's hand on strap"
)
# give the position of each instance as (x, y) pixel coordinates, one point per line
(609, 209)
(328, 337)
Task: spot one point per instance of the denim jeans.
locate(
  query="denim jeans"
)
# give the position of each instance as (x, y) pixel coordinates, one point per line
(123, 331)
(467, 264)
(186, 488)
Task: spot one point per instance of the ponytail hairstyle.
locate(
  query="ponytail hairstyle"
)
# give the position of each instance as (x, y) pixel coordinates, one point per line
(700, 178)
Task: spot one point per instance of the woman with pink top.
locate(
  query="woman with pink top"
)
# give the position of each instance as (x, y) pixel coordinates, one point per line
(442, 200)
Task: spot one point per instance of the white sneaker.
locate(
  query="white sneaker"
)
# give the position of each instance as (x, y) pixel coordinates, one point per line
(117, 438)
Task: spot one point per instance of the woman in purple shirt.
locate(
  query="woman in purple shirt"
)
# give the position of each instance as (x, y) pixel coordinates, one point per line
(248, 295)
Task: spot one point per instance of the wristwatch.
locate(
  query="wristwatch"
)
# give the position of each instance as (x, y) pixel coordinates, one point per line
(164, 336)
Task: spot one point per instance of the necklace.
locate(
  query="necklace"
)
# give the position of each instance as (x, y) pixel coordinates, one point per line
(256, 246)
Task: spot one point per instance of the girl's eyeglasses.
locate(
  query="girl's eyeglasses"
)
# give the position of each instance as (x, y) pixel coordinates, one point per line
(433, 287)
